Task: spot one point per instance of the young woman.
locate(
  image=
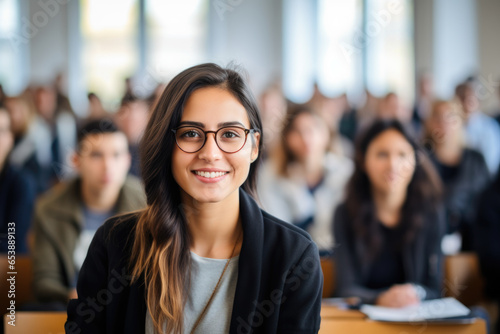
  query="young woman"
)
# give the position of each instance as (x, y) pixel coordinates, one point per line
(308, 181)
(202, 257)
(389, 229)
(463, 171)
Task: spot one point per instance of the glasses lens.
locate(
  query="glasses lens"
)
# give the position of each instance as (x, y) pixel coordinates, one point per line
(231, 139)
(190, 139)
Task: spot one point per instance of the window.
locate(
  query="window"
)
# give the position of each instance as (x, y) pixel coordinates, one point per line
(13, 48)
(346, 46)
(109, 47)
(339, 55)
(389, 48)
(176, 33)
(137, 38)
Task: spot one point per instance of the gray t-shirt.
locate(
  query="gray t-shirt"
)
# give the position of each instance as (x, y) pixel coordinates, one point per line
(205, 273)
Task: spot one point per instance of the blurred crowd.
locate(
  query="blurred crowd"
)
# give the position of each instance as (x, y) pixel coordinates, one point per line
(383, 188)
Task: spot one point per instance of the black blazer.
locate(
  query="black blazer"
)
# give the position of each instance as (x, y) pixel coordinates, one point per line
(422, 259)
(279, 284)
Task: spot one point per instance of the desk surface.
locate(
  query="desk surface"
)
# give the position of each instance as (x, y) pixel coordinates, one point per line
(334, 320)
(36, 323)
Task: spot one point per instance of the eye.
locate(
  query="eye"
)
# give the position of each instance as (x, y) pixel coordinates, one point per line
(190, 133)
(230, 134)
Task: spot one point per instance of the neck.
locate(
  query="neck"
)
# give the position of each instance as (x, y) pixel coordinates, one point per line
(449, 152)
(214, 227)
(99, 200)
(313, 170)
(389, 206)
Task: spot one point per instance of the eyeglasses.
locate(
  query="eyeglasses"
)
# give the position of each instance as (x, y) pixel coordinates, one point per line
(231, 139)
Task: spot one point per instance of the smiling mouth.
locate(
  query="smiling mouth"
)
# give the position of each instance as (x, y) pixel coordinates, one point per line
(210, 175)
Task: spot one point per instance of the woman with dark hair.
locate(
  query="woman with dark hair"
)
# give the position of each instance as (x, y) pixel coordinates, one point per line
(389, 229)
(202, 257)
(306, 181)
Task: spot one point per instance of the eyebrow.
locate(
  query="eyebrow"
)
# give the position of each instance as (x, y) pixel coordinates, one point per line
(220, 125)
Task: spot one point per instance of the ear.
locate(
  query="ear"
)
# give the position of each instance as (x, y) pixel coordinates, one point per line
(255, 146)
(75, 161)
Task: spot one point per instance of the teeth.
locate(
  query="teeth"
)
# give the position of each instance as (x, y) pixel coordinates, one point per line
(210, 175)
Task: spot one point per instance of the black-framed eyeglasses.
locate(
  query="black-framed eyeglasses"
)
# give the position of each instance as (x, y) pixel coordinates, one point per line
(230, 139)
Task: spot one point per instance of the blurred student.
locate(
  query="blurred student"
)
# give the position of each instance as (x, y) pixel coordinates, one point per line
(17, 194)
(423, 100)
(67, 217)
(22, 113)
(132, 118)
(307, 181)
(487, 245)
(95, 110)
(45, 149)
(463, 171)
(482, 131)
(273, 106)
(388, 230)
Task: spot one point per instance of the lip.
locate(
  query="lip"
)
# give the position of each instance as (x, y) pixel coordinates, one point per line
(209, 170)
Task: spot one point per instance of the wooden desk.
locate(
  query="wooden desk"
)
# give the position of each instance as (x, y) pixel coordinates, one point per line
(334, 320)
(36, 323)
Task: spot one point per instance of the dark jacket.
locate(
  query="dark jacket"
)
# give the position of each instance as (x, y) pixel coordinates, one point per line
(422, 259)
(487, 236)
(461, 194)
(278, 290)
(17, 198)
(57, 224)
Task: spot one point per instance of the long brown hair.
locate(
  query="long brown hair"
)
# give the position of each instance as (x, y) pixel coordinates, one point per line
(423, 191)
(161, 241)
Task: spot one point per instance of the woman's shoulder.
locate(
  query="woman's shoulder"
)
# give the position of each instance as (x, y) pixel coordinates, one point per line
(118, 230)
(285, 234)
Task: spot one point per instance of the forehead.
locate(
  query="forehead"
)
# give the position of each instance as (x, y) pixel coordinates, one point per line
(212, 106)
(4, 117)
(104, 141)
(390, 139)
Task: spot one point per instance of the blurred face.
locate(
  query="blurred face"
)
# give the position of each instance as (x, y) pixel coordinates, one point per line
(390, 162)
(308, 137)
(133, 118)
(469, 101)
(46, 103)
(103, 161)
(211, 175)
(445, 123)
(19, 114)
(6, 138)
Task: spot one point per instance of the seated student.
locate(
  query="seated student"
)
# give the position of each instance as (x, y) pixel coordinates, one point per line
(463, 171)
(482, 131)
(308, 181)
(17, 194)
(68, 215)
(388, 230)
(487, 234)
(132, 118)
(202, 257)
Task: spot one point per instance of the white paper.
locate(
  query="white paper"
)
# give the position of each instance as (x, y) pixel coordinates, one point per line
(426, 310)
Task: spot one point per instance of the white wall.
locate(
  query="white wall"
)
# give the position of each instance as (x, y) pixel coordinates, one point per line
(49, 47)
(489, 53)
(250, 33)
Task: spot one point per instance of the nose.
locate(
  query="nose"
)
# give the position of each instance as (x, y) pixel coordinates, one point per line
(210, 151)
